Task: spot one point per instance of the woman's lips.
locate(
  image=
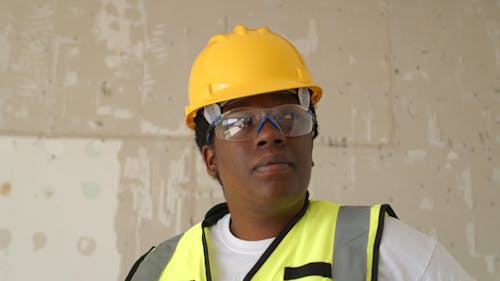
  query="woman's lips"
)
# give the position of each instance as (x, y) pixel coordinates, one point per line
(273, 164)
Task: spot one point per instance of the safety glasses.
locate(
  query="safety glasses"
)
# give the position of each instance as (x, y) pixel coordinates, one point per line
(240, 124)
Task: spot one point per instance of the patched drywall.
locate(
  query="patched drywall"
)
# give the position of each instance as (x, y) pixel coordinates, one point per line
(96, 164)
(60, 209)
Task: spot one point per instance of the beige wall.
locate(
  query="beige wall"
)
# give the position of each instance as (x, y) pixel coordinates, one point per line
(96, 164)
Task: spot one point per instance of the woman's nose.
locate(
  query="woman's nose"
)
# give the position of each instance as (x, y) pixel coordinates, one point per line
(269, 132)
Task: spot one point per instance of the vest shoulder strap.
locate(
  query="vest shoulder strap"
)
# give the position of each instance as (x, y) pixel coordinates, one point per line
(358, 233)
(150, 266)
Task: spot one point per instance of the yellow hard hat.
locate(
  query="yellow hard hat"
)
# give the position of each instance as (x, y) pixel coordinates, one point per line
(242, 63)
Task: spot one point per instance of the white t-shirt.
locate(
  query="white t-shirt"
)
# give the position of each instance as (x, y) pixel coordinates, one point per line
(233, 257)
(405, 254)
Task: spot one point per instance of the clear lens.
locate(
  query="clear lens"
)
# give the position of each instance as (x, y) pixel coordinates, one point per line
(241, 123)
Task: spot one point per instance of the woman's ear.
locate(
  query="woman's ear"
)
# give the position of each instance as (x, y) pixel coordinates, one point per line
(208, 154)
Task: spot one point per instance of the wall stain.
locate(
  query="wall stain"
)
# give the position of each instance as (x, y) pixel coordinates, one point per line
(106, 89)
(39, 240)
(90, 189)
(93, 149)
(86, 246)
(5, 238)
(5, 189)
(112, 10)
(48, 194)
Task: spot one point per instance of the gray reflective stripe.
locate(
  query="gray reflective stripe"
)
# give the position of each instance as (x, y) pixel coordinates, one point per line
(155, 262)
(351, 237)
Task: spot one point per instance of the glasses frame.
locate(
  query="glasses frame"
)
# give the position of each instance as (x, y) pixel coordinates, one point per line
(265, 113)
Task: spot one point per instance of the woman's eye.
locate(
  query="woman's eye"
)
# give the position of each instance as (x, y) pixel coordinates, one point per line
(288, 116)
(229, 121)
(245, 122)
(237, 121)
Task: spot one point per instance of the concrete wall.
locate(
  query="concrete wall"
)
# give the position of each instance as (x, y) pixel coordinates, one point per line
(96, 164)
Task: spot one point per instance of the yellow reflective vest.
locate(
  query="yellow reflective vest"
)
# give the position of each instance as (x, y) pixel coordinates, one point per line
(325, 241)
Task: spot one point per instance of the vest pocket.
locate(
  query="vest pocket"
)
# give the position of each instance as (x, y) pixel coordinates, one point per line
(322, 269)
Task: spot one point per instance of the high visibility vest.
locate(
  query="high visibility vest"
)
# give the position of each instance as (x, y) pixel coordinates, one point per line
(325, 241)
